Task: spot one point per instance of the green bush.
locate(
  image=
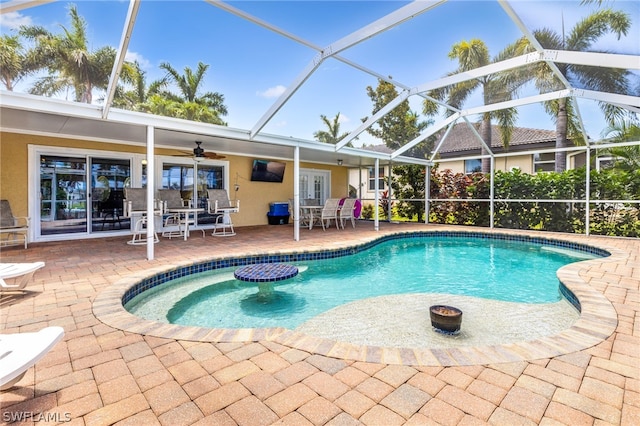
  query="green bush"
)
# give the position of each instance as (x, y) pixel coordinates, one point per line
(565, 215)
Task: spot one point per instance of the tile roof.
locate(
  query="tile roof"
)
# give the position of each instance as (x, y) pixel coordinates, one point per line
(461, 138)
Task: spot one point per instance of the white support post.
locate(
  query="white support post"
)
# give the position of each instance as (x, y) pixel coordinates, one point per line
(389, 193)
(376, 205)
(150, 192)
(427, 193)
(587, 195)
(296, 193)
(492, 191)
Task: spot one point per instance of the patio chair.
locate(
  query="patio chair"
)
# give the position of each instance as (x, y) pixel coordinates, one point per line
(20, 351)
(219, 205)
(111, 209)
(346, 212)
(171, 223)
(330, 212)
(135, 205)
(22, 272)
(13, 230)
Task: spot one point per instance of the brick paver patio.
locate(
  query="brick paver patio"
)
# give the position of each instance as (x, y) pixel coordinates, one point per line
(101, 375)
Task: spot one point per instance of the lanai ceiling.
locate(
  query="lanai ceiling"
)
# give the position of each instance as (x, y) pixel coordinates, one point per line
(319, 57)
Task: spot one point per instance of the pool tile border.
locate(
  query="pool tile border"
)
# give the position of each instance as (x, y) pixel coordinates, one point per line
(597, 321)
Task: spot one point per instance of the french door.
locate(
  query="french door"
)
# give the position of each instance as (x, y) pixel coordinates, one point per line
(314, 184)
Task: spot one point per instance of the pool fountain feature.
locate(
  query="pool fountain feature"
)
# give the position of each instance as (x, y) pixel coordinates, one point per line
(445, 319)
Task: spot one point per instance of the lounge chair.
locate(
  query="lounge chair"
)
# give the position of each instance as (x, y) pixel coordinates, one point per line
(21, 351)
(219, 204)
(23, 272)
(13, 229)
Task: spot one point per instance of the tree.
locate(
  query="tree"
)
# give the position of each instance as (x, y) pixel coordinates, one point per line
(188, 103)
(15, 61)
(138, 97)
(332, 134)
(70, 63)
(625, 157)
(495, 88)
(581, 37)
(398, 127)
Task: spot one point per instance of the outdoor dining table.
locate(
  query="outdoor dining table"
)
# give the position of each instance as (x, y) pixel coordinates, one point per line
(315, 212)
(184, 219)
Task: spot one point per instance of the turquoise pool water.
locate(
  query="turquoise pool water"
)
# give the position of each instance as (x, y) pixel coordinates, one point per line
(495, 269)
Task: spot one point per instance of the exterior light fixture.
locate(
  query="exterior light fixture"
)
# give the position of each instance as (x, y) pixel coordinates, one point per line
(339, 162)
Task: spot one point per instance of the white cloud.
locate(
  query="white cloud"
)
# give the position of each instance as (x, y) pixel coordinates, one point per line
(134, 56)
(13, 20)
(343, 118)
(272, 92)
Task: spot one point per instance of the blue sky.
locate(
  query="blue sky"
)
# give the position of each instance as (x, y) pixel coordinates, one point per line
(251, 66)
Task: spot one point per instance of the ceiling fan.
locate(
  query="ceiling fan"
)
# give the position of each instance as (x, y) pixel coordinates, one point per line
(199, 153)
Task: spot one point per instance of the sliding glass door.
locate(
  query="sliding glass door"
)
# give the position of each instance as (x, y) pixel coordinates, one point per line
(79, 194)
(193, 180)
(63, 195)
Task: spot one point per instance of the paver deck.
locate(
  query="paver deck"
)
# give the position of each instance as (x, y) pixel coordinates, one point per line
(104, 373)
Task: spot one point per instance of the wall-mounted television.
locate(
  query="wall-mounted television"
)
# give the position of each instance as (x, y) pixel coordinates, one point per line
(267, 171)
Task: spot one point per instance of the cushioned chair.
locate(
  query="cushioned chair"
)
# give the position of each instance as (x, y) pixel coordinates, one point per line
(135, 206)
(22, 272)
(13, 230)
(20, 351)
(219, 205)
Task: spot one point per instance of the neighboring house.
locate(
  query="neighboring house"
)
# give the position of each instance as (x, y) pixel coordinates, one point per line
(462, 142)
(365, 178)
(524, 144)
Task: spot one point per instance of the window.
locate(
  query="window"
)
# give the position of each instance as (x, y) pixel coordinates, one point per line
(545, 162)
(472, 166)
(372, 178)
(605, 163)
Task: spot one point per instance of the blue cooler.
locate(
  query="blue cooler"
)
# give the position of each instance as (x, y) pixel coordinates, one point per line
(278, 209)
(278, 213)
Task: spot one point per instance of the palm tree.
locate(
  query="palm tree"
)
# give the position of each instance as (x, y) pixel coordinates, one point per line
(70, 63)
(625, 157)
(14, 61)
(495, 88)
(139, 95)
(332, 134)
(189, 104)
(581, 37)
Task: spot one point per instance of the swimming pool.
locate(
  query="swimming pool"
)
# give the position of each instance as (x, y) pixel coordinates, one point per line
(519, 271)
